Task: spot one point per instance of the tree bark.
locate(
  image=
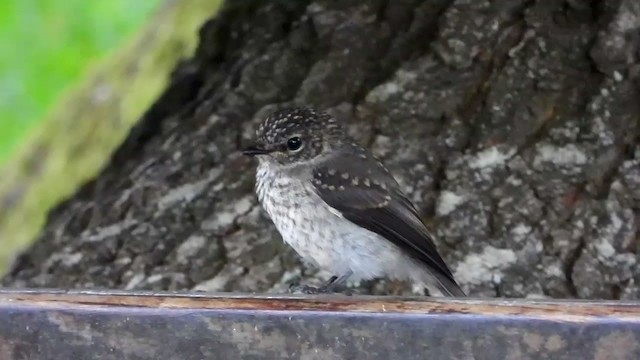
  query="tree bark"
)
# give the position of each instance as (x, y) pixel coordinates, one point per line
(514, 126)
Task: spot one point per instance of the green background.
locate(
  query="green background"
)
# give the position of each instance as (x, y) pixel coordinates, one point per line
(46, 46)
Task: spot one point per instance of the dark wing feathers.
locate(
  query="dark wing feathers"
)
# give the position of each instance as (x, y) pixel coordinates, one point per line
(375, 203)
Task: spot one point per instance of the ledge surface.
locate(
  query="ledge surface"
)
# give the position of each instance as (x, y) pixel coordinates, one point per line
(55, 324)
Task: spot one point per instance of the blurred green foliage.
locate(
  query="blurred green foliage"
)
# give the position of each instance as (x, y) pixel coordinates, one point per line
(46, 46)
(87, 121)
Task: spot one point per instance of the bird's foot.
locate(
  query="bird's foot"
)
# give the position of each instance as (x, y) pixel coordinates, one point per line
(330, 287)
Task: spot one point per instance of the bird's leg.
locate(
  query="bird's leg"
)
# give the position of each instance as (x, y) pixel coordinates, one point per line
(335, 284)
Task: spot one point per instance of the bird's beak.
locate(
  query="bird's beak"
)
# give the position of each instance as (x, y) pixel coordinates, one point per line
(256, 150)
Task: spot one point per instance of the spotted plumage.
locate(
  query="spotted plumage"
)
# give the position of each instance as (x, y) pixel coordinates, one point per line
(338, 206)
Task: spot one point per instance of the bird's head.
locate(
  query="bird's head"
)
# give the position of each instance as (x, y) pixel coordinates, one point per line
(295, 135)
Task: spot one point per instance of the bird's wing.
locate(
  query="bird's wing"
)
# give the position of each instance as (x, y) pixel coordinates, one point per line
(375, 202)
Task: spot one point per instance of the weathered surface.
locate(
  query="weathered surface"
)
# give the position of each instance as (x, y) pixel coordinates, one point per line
(514, 127)
(59, 325)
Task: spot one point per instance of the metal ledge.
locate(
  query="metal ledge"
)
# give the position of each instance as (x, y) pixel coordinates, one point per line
(42, 324)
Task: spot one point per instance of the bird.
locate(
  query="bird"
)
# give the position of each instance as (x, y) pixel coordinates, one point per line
(339, 207)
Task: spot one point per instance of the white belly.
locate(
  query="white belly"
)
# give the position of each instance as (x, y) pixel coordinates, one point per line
(321, 236)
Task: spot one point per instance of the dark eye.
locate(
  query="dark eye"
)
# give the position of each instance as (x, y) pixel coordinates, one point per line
(294, 143)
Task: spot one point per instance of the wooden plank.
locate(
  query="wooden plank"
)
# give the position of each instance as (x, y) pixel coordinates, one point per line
(55, 324)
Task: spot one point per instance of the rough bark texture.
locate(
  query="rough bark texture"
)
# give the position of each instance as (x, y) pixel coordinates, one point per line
(513, 125)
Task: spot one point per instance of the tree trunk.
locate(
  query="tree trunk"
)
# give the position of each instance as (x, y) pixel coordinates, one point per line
(514, 126)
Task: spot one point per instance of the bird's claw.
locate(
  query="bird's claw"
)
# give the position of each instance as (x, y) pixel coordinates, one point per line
(330, 287)
(303, 289)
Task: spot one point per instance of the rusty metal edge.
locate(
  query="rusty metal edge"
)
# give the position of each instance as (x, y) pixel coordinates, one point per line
(554, 310)
(109, 324)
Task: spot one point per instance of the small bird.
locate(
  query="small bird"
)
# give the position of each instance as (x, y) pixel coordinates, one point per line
(339, 207)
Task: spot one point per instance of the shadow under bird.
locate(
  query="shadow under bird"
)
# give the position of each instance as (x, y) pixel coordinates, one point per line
(339, 207)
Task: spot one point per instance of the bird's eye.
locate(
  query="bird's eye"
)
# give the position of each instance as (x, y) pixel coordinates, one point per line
(294, 143)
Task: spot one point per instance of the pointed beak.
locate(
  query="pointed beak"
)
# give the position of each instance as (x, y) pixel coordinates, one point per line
(256, 150)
